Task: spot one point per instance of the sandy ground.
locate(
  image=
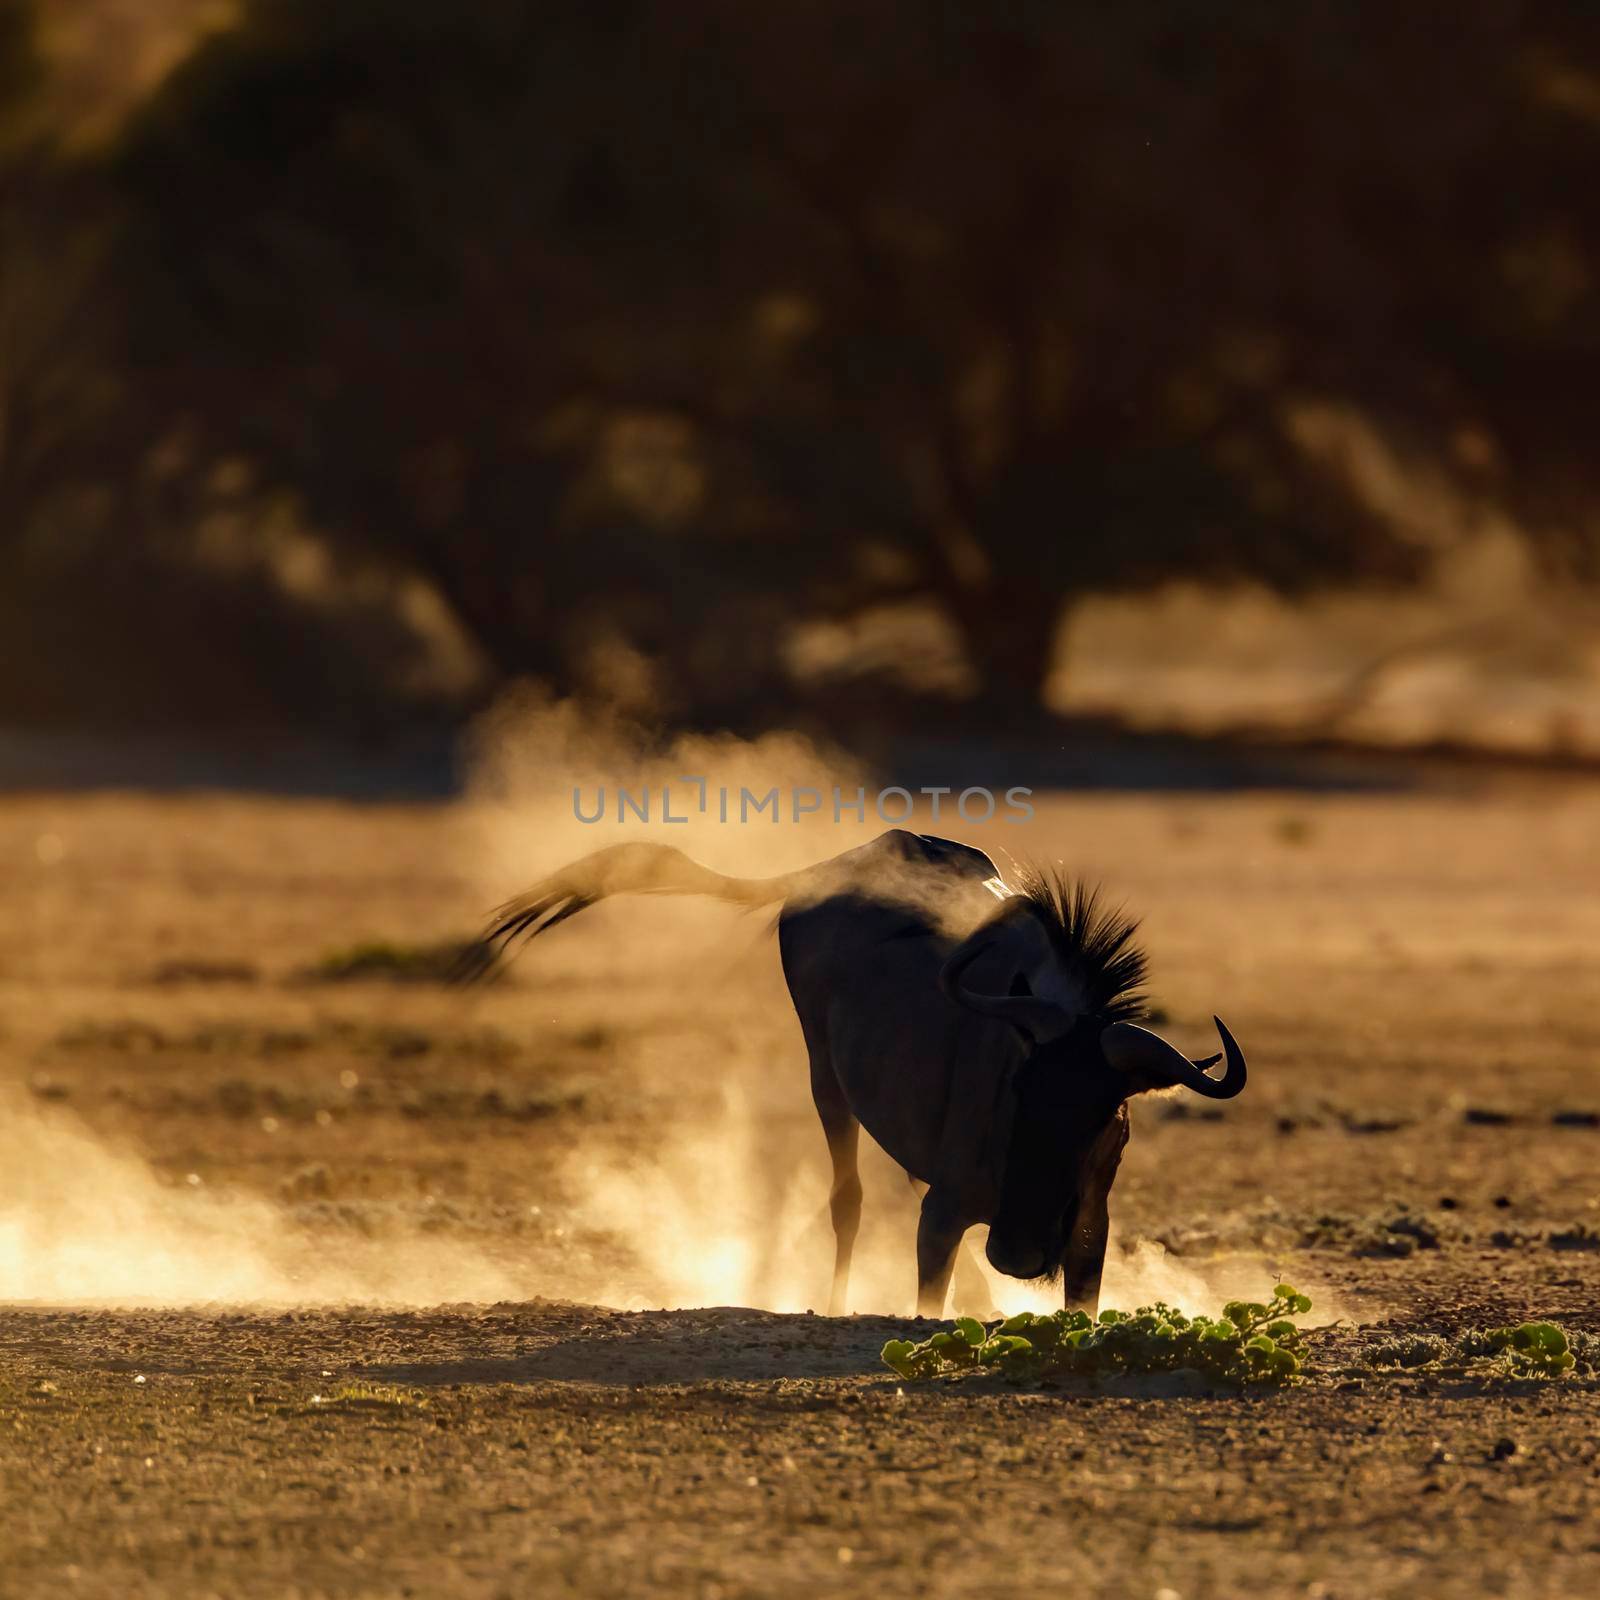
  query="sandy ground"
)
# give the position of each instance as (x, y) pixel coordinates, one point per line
(208, 1155)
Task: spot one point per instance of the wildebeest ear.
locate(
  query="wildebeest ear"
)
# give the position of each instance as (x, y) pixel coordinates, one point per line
(1012, 944)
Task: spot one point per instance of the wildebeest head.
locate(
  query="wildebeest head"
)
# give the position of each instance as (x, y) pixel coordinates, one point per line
(1064, 972)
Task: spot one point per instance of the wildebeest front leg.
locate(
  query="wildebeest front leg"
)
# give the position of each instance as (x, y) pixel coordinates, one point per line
(1086, 1248)
(939, 1231)
(1086, 1259)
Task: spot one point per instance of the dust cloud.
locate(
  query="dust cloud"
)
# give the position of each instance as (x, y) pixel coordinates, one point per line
(731, 1211)
(528, 755)
(84, 1222)
(716, 1192)
(728, 1206)
(723, 1213)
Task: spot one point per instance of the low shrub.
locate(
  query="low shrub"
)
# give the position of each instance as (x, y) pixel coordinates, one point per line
(1251, 1343)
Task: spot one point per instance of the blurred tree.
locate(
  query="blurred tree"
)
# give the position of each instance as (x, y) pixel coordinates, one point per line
(672, 324)
(48, 389)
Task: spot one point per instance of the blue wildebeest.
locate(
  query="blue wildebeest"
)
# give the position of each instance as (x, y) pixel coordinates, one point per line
(983, 1033)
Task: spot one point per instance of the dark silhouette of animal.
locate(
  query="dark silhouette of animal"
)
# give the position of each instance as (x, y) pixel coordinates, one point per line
(985, 1035)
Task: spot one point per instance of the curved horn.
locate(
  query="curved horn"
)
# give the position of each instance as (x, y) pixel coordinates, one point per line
(1041, 1020)
(1137, 1050)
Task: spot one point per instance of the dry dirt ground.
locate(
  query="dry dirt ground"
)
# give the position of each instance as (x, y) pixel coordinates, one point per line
(210, 1149)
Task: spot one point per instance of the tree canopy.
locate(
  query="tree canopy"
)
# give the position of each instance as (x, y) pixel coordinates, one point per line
(681, 323)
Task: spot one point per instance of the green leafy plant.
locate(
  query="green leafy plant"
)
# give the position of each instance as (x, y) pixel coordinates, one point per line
(1251, 1343)
(1529, 1350)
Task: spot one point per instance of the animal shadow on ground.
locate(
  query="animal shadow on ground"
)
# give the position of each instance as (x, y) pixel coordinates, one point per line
(667, 1347)
(588, 1346)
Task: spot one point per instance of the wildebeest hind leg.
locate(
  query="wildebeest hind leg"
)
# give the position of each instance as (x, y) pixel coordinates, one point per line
(972, 1296)
(842, 1132)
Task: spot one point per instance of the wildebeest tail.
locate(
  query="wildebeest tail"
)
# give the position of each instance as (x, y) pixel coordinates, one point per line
(619, 869)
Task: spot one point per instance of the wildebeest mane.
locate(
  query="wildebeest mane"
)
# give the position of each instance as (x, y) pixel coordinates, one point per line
(1093, 940)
